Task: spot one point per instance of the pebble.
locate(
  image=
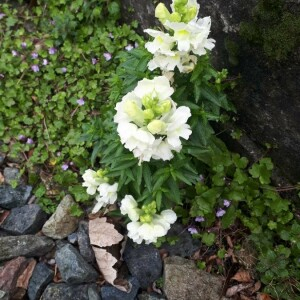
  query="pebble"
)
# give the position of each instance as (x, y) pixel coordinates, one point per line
(28, 219)
(72, 266)
(11, 175)
(11, 198)
(144, 263)
(24, 245)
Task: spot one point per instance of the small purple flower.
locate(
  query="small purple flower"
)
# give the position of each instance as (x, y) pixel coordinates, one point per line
(52, 50)
(199, 219)
(65, 166)
(45, 62)
(129, 47)
(220, 213)
(192, 230)
(34, 55)
(107, 56)
(29, 141)
(80, 102)
(58, 154)
(64, 70)
(136, 44)
(35, 68)
(226, 203)
(94, 60)
(23, 45)
(22, 138)
(14, 53)
(2, 76)
(2, 15)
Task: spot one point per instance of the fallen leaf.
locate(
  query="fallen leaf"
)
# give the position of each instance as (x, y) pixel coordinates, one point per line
(255, 288)
(105, 262)
(3, 215)
(237, 288)
(263, 297)
(23, 279)
(1, 178)
(244, 297)
(229, 241)
(103, 234)
(242, 276)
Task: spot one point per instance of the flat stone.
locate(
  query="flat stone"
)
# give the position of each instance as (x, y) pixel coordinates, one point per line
(28, 219)
(72, 266)
(185, 246)
(183, 280)
(41, 277)
(109, 292)
(61, 223)
(63, 291)
(24, 245)
(144, 263)
(84, 245)
(10, 197)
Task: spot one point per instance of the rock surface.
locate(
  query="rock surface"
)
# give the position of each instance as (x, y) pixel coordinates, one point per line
(183, 280)
(41, 277)
(84, 245)
(109, 292)
(143, 262)
(10, 198)
(63, 291)
(151, 296)
(73, 268)
(24, 245)
(11, 174)
(61, 223)
(27, 219)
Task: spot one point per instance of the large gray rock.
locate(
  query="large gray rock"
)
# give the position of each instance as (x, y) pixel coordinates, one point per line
(27, 219)
(25, 245)
(109, 292)
(144, 263)
(183, 280)
(84, 245)
(10, 197)
(41, 277)
(61, 223)
(63, 291)
(73, 268)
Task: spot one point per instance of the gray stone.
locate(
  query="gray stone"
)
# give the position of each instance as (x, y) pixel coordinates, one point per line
(61, 223)
(185, 246)
(84, 245)
(72, 266)
(2, 158)
(183, 280)
(41, 277)
(63, 291)
(28, 219)
(73, 238)
(11, 175)
(109, 292)
(4, 295)
(24, 245)
(151, 296)
(10, 197)
(143, 262)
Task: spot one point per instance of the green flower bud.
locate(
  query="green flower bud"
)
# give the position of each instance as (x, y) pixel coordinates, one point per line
(175, 17)
(146, 218)
(163, 108)
(148, 114)
(180, 2)
(190, 14)
(162, 13)
(147, 101)
(134, 112)
(156, 126)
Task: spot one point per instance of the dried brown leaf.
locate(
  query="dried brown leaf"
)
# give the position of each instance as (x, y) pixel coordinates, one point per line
(23, 279)
(3, 215)
(103, 234)
(263, 297)
(242, 276)
(237, 288)
(1, 178)
(255, 288)
(229, 241)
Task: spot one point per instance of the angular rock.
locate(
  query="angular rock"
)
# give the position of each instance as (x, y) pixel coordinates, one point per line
(185, 246)
(183, 280)
(11, 174)
(61, 223)
(10, 197)
(27, 219)
(109, 292)
(143, 262)
(63, 291)
(24, 245)
(41, 277)
(72, 266)
(73, 238)
(4, 295)
(84, 245)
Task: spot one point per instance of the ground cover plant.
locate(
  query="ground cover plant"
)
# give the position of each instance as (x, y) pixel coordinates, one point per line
(150, 124)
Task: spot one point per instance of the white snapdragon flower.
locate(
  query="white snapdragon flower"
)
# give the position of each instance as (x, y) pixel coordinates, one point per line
(107, 195)
(92, 180)
(145, 120)
(146, 225)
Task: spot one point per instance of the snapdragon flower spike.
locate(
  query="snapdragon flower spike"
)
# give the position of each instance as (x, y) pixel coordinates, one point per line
(149, 124)
(107, 195)
(92, 180)
(146, 225)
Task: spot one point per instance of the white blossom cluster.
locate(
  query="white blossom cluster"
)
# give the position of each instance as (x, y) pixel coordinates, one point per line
(149, 123)
(147, 227)
(96, 181)
(187, 37)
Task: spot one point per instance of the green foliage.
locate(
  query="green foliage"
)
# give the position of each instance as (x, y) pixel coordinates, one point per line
(275, 29)
(43, 105)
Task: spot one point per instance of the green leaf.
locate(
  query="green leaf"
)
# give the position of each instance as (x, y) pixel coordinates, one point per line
(229, 217)
(147, 176)
(160, 181)
(208, 238)
(158, 200)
